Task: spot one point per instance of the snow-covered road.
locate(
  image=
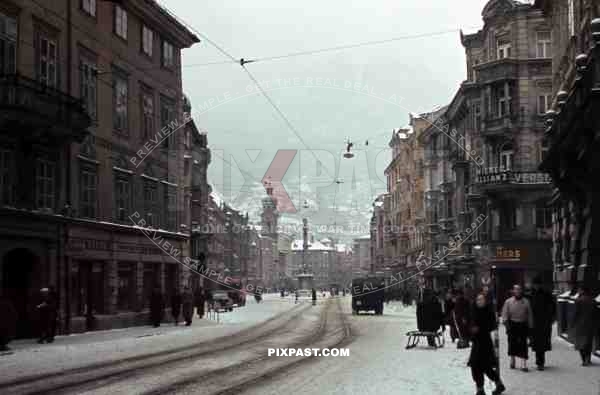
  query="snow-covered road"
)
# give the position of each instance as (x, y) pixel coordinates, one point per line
(78, 350)
(378, 361)
(380, 364)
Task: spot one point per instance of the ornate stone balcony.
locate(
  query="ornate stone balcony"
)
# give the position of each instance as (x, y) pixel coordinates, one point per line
(29, 107)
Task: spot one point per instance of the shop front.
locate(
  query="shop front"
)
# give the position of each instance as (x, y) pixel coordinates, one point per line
(519, 263)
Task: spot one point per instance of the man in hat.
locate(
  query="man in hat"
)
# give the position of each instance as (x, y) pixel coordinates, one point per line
(543, 307)
(47, 315)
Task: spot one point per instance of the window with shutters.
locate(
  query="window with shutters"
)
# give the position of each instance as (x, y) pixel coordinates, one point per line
(122, 196)
(506, 157)
(89, 86)
(147, 40)
(45, 188)
(151, 208)
(167, 120)
(170, 205)
(47, 56)
(7, 181)
(88, 186)
(89, 6)
(168, 54)
(504, 49)
(544, 103)
(544, 44)
(120, 101)
(120, 22)
(147, 102)
(8, 44)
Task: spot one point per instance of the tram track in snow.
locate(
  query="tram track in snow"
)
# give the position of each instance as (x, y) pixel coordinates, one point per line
(68, 380)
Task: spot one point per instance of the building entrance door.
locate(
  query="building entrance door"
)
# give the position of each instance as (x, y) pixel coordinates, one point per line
(20, 285)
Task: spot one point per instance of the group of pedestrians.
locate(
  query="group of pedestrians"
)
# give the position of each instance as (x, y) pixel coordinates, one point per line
(528, 317)
(182, 305)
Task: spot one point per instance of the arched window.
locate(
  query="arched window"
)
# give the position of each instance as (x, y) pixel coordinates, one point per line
(506, 156)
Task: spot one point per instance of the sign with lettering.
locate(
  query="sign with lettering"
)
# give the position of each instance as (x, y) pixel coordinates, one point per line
(495, 176)
(507, 254)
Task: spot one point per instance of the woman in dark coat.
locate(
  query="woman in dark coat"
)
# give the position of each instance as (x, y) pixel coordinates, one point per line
(585, 325)
(156, 307)
(176, 306)
(482, 359)
(543, 307)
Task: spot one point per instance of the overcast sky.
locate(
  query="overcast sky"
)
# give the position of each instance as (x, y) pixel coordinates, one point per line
(361, 93)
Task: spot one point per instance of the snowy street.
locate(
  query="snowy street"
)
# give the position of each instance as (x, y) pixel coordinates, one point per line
(380, 364)
(231, 357)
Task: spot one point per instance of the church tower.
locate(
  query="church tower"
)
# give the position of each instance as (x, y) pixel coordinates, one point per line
(270, 215)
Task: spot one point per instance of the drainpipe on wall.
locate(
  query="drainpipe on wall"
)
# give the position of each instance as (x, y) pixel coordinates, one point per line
(68, 177)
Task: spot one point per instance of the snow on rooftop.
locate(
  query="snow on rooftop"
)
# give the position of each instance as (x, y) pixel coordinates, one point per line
(297, 245)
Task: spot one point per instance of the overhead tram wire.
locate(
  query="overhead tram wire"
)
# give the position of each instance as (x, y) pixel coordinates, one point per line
(332, 49)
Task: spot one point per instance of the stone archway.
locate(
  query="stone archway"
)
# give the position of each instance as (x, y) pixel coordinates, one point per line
(20, 282)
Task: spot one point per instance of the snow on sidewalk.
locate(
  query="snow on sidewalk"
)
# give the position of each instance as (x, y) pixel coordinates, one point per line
(82, 349)
(563, 374)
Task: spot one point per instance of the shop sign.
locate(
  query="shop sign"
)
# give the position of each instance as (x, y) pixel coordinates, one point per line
(77, 244)
(507, 254)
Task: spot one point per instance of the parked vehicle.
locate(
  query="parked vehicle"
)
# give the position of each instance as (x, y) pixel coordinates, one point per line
(222, 301)
(368, 295)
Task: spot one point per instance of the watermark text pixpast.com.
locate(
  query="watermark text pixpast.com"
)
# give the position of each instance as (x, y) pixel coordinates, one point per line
(308, 352)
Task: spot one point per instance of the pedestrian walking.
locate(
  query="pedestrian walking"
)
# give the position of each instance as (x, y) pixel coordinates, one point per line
(518, 319)
(187, 305)
(448, 313)
(199, 300)
(460, 319)
(482, 359)
(156, 307)
(47, 315)
(543, 307)
(176, 306)
(586, 323)
(314, 297)
(8, 323)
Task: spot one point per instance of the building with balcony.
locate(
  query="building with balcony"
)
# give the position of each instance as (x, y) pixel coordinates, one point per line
(361, 256)
(499, 112)
(197, 158)
(572, 140)
(377, 233)
(89, 96)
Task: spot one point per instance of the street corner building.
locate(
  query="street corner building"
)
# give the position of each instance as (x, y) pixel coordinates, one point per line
(91, 153)
(572, 135)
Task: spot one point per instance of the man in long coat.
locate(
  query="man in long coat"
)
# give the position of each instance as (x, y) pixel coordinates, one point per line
(187, 305)
(47, 315)
(156, 307)
(586, 323)
(543, 307)
(176, 305)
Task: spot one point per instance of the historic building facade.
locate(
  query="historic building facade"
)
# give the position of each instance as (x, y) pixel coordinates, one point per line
(78, 186)
(499, 109)
(572, 140)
